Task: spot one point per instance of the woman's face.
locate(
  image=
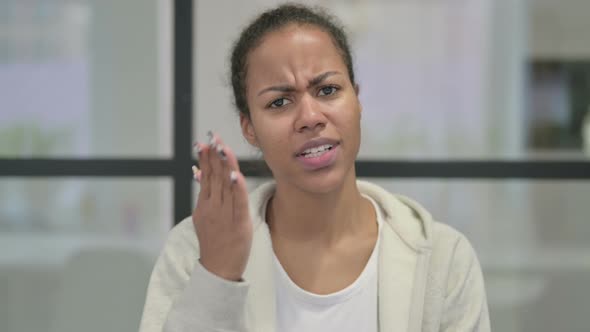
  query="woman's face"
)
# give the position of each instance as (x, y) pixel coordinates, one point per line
(304, 110)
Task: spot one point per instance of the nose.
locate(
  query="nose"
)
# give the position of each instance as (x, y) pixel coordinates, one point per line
(309, 115)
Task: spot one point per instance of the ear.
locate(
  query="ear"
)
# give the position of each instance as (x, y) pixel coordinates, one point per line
(357, 90)
(248, 130)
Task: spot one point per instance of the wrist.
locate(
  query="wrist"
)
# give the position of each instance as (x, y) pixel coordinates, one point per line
(220, 272)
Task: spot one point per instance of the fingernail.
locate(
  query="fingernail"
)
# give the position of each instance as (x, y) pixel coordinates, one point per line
(221, 152)
(233, 176)
(211, 138)
(197, 148)
(195, 172)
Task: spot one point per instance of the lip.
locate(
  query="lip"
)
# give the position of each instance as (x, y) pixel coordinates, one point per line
(315, 143)
(323, 161)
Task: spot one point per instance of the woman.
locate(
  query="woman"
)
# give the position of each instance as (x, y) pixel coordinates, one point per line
(314, 250)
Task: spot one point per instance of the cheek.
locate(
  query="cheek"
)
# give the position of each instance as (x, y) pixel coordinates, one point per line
(347, 117)
(272, 136)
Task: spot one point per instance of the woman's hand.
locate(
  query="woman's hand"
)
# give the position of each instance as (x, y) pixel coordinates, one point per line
(221, 217)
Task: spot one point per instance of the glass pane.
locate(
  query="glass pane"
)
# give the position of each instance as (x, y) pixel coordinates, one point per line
(212, 90)
(559, 91)
(72, 248)
(565, 38)
(438, 79)
(82, 79)
(531, 239)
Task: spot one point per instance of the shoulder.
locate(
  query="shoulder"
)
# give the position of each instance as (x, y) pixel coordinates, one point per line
(456, 284)
(450, 244)
(451, 251)
(453, 262)
(446, 238)
(183, 234)
(181, 248)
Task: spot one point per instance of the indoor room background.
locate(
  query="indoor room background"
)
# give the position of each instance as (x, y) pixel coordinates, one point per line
(479, 109)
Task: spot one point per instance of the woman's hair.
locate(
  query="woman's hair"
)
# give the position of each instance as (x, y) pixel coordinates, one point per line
(273, 20)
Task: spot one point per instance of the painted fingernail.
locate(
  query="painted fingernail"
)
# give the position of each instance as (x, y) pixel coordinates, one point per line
(197, 148)
(195, 172)
(221, 152)
(211, 138)
(233, 176)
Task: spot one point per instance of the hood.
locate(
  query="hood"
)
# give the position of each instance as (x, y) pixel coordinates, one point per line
(407, 218)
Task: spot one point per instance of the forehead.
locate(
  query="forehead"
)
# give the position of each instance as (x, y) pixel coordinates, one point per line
(294, 50)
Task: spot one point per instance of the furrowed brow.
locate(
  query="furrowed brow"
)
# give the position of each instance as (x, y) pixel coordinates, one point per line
(320, 78)
(279, 88)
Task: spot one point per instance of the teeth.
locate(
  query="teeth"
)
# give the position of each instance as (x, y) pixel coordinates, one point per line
(317, 151)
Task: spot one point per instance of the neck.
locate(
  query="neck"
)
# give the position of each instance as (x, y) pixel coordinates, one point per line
(296, 215)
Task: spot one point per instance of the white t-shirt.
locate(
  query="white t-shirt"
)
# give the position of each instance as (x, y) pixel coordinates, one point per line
(351, 309)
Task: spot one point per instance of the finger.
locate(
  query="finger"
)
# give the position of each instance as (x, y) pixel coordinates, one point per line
(226, 168)
(205, 170)
(240, 196)
(196, 173)
(216, 178)
(229, 160)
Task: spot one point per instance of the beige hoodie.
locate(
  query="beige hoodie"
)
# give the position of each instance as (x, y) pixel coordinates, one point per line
(442, 269)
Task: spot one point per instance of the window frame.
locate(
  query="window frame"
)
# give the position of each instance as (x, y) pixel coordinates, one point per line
(178, 167)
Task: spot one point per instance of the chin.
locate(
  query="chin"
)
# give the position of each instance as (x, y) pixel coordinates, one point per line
(323, 186)
(321, 181)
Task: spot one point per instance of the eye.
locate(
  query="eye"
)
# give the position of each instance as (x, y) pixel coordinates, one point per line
(327, 90)
(279, 102)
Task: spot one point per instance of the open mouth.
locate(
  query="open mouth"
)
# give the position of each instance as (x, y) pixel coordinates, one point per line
(317, 151)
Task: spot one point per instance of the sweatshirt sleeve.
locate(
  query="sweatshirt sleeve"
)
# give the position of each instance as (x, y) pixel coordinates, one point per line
(183, 296)
(465, 304)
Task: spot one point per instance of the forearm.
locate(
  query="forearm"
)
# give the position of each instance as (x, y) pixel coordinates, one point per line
(209, 303)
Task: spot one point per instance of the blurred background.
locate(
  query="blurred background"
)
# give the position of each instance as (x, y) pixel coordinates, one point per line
(450, 80)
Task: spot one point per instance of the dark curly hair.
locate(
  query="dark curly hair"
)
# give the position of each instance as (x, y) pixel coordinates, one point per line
(273, 20)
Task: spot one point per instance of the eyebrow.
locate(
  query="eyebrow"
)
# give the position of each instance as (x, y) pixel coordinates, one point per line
(289, 88)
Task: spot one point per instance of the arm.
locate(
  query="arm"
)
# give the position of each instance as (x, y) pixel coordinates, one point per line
(183, 296)
(465, 305)
(194, 284)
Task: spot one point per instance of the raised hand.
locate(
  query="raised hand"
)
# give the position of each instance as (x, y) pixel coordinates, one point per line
(221, 217)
